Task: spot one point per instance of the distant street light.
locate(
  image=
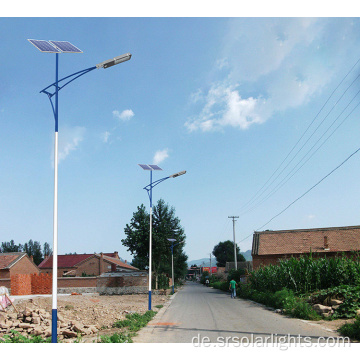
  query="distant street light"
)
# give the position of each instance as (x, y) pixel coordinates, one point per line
(149, 188)
(62, 47)
(172, 262)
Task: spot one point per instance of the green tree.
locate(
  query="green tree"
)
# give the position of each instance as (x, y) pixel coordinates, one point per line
(165, 226)
(10, 246)
(33, 248)
(47, 250)
(224, 252)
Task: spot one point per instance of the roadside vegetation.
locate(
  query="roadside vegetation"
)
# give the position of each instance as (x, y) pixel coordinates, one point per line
(133, 323)
(296, 284)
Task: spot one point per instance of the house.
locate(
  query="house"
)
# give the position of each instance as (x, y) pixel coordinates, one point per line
(270, 246)
(13, 263)
(86, 264)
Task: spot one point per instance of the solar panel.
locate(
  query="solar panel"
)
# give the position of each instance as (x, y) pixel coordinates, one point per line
(44, 46)
(155, 167)
(145, 167)
(66, 47)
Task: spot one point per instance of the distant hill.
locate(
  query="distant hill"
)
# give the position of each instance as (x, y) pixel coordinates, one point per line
(206, 261)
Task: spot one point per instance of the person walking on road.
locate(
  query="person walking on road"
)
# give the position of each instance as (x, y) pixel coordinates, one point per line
(232, 288)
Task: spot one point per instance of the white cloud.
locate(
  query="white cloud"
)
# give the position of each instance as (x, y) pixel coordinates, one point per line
(270, 65)
(105, 136)
(160, 156)
(69, 140)
(124, 115)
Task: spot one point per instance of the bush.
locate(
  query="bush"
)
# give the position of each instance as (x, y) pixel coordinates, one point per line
(235, 274)
(351, 330)
(307, 274)
(283, 299)
(135, 321)
(116, 338)
(221, 285)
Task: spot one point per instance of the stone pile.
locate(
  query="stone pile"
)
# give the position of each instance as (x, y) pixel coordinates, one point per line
(37, 321)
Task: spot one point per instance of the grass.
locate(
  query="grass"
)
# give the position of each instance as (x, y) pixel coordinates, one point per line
(15, 337)
(159, 306)
(351, 330)
(133, 323)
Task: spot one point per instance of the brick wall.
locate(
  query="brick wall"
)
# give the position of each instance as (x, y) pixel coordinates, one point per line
(4, 274)
(263, 260)
(89, 267)
(24, 266)
(122, 283)
(77, 282)
(6, 283)
(41, 284)
(20, 284)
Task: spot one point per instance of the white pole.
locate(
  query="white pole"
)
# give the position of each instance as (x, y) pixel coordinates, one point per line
(150, 257)
(172, 267)
(55, 238)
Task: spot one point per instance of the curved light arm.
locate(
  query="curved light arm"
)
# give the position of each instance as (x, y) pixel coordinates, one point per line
(82, 72)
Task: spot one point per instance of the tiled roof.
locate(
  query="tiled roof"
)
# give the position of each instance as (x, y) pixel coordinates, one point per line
(339, 239)
(120, 263)
(67, 261)
(9, 259)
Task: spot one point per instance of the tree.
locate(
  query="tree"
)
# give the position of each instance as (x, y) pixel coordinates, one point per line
(165, 226)
(224, 252)
(47, 250)
(33, 248)
(10, 246)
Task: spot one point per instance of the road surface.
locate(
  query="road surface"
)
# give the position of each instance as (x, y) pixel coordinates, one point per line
(205, 315)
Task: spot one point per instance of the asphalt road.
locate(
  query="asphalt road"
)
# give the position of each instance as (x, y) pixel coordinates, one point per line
(205, 315)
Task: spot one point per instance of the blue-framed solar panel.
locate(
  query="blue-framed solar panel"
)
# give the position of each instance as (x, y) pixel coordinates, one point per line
(155, 167)
(145, 167)
(44, 46)
(65, 46)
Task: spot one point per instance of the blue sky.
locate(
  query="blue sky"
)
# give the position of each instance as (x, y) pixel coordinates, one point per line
(223, 98)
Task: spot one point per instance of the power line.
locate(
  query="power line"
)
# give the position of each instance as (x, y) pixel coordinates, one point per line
(306, 192)
(256, 194)
(293, 171)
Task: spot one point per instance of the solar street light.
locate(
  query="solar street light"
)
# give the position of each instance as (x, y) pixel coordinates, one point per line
(116, 60)
(172, 261)
(149, 188)
(59, 47)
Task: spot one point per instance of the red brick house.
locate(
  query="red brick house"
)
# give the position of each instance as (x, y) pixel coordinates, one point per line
(270, 246)
(86, 264)
(14, 263)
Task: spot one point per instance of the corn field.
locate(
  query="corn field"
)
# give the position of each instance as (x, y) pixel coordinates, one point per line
(307, 274)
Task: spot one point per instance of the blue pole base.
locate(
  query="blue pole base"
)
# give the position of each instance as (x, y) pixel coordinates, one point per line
(54, 326)
(149, 299)
(173, 291)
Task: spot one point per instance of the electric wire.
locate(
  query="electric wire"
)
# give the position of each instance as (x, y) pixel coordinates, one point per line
(328, 99)
(305, 193)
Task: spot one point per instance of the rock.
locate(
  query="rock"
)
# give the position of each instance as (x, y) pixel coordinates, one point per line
(278, 311)
(28, 319)
(37, 331)
(335, 307)
(68, 333)
(47, 332)
(25, 326)
(27, 312)
(322, 309)
(36, 320)
(358, 312)
(334, 302)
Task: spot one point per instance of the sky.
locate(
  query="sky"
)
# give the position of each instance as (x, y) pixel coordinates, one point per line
(240, 103)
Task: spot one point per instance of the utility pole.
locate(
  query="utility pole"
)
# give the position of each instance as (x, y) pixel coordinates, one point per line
(233, 219)
(210, 266)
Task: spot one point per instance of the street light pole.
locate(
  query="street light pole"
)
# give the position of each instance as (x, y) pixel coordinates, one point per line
(149, 188)
(172, 263)
(235, 255)
(58, 47)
